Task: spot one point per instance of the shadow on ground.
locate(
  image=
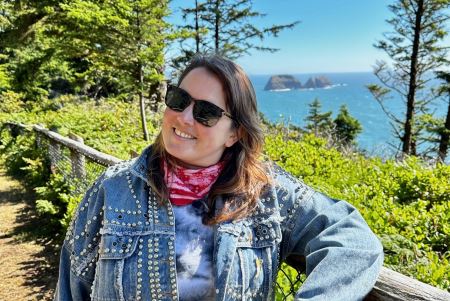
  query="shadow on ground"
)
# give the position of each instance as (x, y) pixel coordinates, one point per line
(40, 269)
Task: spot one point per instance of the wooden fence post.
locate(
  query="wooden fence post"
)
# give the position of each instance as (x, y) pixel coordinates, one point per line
(77, 159)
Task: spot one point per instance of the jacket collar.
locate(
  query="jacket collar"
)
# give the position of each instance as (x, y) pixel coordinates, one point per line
(139, 167)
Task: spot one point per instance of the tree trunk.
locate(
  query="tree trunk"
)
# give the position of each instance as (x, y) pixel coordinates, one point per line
(408, 132)
(140, 70)
(197, 34)
(216, 28)
(142, 103)
(156, 94)
(445, 136)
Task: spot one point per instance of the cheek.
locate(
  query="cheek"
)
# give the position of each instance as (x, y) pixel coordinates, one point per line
(167, 114)
(168, 117)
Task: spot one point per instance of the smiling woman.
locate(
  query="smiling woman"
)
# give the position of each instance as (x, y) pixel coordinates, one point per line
(198, 216)
(191, 141)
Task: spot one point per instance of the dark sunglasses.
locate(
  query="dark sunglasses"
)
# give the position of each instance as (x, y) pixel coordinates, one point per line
(204, 111)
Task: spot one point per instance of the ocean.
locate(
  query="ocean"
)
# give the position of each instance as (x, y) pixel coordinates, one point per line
(377, 137)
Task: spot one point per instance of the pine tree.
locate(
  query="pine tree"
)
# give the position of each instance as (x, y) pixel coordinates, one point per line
(318, 123)
(413, 46)
(120, 41)
(346, 127)
(28, 52)
(225, 27)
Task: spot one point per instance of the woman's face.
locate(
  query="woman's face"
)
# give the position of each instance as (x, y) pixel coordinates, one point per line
(184, 138)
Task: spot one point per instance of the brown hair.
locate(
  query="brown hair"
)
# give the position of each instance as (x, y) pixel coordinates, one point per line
(244, 177)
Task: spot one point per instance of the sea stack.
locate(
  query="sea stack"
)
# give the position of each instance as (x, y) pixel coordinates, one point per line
(283, 82)
(317, 82)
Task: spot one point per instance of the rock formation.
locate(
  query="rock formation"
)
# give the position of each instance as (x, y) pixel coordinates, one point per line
(282, 82)
(317, 82)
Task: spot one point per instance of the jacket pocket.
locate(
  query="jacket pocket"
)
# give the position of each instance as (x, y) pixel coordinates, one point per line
(115, 275)
(253, 265)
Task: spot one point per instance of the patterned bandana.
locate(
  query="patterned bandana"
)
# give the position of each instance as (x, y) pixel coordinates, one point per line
(187, 185)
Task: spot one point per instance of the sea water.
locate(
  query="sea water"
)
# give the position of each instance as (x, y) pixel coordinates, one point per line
(349, 89)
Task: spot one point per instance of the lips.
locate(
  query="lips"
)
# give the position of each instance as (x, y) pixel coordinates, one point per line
(182, 134)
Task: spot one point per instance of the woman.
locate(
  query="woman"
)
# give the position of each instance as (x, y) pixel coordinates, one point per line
(198, 216)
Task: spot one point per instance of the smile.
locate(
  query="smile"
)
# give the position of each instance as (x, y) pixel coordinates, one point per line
(182, 134)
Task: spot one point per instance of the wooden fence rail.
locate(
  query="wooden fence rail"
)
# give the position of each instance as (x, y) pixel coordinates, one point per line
(390, 286)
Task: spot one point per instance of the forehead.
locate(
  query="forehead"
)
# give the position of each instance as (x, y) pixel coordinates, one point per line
(203, 84)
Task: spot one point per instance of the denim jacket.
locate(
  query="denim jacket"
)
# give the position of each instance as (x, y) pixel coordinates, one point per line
(120, 244)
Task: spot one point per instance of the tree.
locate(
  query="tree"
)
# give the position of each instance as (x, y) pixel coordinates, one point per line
(121, 41)
(224, 27)
(444, 130)
(190, 30)
(413, 46)
(27, 50)
(318, 123)
(346, 127)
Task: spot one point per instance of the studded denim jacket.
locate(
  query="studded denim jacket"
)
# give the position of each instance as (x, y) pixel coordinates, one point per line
(120, 244)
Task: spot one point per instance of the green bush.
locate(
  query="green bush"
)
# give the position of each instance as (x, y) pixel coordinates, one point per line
(11, 102)
(405, 203)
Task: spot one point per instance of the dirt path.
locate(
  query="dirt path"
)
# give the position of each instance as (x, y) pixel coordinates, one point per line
(27, 258)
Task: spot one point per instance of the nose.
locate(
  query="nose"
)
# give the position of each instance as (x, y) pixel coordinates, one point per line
(187, 117)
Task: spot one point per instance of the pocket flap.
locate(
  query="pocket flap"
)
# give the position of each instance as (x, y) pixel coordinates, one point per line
(113, 246)
(259, 235)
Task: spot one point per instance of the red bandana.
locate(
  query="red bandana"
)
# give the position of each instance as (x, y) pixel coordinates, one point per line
(187, 185)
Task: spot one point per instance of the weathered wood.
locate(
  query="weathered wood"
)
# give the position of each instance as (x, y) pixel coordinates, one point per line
(77, 159)
(95, 155)
(393, 286)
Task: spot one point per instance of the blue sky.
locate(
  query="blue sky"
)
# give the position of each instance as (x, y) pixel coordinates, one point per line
(333, 36)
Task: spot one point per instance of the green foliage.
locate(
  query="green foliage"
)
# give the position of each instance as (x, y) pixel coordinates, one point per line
(405, 203)
(341, 132)
(24, 158)
(28, 36)
(287, 282)
(317, 122)
(106, 48)
(53, 200)
(121, 41)
(346, 127)
(11, 102)
(113, 127)
(4, 78)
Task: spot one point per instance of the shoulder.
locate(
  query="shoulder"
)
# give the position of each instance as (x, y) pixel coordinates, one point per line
(118, 170)
(297, 201)
(288, 187)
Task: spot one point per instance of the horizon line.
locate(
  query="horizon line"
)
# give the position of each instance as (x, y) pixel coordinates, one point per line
(314, 72)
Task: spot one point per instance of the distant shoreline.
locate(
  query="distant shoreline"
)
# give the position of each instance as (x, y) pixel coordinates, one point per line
(309, 89)
(310, 73)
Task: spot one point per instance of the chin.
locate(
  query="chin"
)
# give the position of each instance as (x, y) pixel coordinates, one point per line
(181, 157)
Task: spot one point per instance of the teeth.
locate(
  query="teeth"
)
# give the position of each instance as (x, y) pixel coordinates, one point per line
(184, 135)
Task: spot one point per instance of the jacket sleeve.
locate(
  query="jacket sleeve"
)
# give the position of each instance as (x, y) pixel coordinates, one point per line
(342, 255)
(80, 247)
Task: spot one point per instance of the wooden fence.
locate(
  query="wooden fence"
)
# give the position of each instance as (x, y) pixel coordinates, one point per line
(390, 286)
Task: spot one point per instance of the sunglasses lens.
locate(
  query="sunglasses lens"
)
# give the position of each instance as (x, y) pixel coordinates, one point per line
(177, 99)
(206, 113)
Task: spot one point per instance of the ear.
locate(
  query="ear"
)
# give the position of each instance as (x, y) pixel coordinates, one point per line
(235, 135)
